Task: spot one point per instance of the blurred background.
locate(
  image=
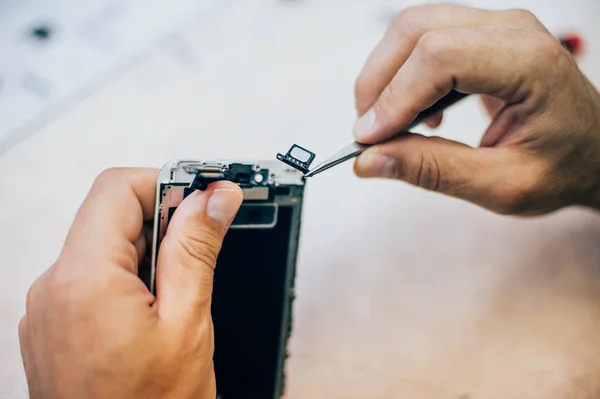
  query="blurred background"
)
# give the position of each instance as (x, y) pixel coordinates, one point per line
(401, 293)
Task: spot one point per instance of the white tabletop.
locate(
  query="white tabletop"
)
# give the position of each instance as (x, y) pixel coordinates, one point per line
(401, 293)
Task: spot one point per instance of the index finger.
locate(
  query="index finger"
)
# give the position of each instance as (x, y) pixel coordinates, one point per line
(111, 218)
(504, 63)
(410, 25)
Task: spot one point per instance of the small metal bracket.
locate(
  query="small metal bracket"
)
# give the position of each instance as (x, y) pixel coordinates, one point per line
(298, 158)
(206, 173)
(247, 176)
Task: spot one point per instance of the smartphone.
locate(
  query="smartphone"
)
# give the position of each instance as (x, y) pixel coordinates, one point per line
(254, 277)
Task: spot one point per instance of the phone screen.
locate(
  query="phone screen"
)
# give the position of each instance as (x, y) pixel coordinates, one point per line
(250, 295)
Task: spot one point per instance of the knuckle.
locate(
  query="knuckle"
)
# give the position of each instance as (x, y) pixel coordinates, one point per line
(67, 288)
(425, 173)
(109, 176)
(432, 46)
(203, 247)
(388, 98)
(523, 16)
(23, 327)
(46, 288)
(60, 281)
(406, 23)
(32, 295)
(30, 298)
(546, 46)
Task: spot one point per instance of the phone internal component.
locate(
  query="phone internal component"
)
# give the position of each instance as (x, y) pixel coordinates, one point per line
(247, 176)
(298, 158)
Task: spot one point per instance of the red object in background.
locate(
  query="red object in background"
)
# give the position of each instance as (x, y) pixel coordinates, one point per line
(573, 43)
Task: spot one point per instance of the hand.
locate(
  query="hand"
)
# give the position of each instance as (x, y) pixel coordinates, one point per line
(542, 149)
(93, 330)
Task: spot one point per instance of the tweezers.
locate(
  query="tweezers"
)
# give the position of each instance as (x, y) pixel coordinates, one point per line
(354, 149)
(350, 151)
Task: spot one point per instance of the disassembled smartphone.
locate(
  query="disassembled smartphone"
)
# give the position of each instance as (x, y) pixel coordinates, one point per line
(254, 278)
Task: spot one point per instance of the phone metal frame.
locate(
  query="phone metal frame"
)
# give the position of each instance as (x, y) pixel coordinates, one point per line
(173, 179)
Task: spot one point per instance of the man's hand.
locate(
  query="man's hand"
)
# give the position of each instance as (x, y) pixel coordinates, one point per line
(542, 149)
(93, 330)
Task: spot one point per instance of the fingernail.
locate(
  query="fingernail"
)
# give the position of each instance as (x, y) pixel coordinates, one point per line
(364, 125)
(223, 205)
(376, 165)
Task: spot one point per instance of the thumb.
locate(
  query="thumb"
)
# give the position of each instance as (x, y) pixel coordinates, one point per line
(485, 176)
(188, 253)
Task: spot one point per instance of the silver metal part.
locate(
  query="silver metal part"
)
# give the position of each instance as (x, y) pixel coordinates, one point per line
(172, 197)
(258, 178)
(279, 173)
(214, 167)
(256, 193)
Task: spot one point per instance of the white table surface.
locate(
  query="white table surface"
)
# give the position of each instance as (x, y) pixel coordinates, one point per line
(400, 293)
